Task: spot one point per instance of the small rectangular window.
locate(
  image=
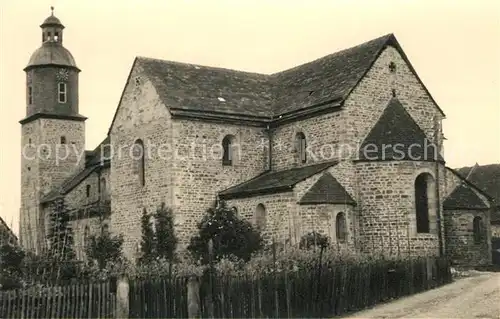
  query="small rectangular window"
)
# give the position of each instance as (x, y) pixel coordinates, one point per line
(30, 95)
(56, 36)
(62, 92)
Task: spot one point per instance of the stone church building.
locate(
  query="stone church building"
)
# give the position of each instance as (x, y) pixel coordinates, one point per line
(348, 145)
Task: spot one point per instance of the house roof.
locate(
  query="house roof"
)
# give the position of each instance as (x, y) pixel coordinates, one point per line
(95, 160)
(486, 177)
(274, 181)
(11, 233)
(396, 126)
(327, 190)
(204, 91)
(464, 197)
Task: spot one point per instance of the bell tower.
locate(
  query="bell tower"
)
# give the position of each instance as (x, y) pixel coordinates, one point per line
(53, 131)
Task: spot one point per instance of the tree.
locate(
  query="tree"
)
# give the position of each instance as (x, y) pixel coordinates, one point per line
(314, 239)
(148, 239)
(60, 236)
(11, 265)
(166, 242)
(61, 257)
(104, 249)
(230, 235)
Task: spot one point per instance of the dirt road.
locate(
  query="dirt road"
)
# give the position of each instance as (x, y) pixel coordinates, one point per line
(473, 297)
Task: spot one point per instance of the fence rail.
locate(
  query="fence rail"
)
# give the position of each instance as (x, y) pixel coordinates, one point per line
(91, 300)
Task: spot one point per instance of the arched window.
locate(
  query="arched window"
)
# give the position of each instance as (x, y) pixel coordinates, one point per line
(63, 139)
(88, 191)
(227, 149)
(477, 224)
(138, 152)
(62, 92)
(260, 216)
(340, 227)
(300, 147)
(422, 203)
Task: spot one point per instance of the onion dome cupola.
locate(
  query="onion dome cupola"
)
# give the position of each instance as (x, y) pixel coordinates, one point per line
(52, 51)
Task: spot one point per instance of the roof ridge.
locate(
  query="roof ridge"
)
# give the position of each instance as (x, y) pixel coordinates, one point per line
(139, 58)
(365, 43)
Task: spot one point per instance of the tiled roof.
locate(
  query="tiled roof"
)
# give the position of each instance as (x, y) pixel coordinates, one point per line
(464, 197)
(94, 161)
(325, 79)
(486, 177)
(395, 126)
(209, 89)
(275, 181)
(188, 89)
(327, 190)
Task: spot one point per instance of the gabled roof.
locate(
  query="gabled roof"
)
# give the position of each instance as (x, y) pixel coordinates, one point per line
(211, 92)
(464, 197)
(274, 181)
(327, 190)
(486, 177)
(396, 136)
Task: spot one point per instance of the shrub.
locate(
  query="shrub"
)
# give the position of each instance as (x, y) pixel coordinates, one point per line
(314, 239)
(229, 234)
(104, 249)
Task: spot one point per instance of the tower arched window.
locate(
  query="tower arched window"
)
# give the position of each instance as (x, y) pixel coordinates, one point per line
(88, 191)
(340, 227)
(477, 225)
(300, 147)
(260, 216)
(139, 158)
(227, 149)
(62, 92)
(423, 194)
(30, 95)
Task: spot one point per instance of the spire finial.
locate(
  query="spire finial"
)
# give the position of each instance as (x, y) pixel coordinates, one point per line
(52, 10)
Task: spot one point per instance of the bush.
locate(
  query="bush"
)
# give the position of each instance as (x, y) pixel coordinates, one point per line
(314, 239)
(229, 234)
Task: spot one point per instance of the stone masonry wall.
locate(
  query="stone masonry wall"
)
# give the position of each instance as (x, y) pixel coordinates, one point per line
(279, 214)
(462, 248)
(45, 164)
(387, 208)
(368, 100)
(339, 134)
(140, 115)
(323, 134)
(198, 173)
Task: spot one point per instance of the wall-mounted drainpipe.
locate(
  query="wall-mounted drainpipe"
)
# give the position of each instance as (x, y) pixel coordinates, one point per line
(438, 201)
(270, 151)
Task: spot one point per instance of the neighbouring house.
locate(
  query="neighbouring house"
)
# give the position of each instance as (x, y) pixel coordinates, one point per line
(487, 178)
(7, 236)
(348, 145)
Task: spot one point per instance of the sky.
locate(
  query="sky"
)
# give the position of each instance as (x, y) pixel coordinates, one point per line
(453, 45)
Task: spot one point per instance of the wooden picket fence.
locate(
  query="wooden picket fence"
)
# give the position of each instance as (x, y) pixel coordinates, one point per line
(82, 300)
(158, 298)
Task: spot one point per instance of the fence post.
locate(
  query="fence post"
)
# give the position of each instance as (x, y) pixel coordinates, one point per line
(193, 297)
(122, 297)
